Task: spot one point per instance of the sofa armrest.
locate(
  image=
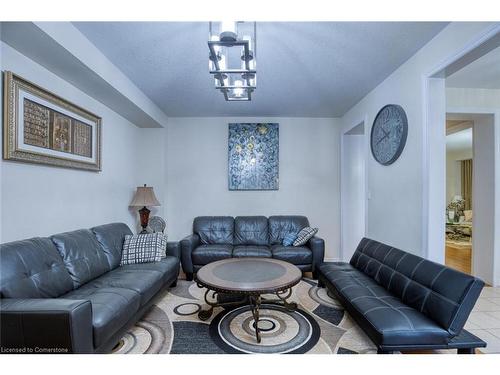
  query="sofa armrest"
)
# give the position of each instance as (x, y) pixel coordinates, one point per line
(45, 325)
(317, 246)
(188, 244)
(173, 249)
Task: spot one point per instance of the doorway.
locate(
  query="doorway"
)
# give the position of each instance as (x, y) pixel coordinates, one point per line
(353, 189)
(472, 93)
(459, 187)
(470, 193)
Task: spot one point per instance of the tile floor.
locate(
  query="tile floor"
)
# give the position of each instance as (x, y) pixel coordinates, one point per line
(484, 321)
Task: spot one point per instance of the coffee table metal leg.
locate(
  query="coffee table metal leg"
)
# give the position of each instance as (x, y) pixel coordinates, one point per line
(255, 306)
(206, 314)
(283, 296)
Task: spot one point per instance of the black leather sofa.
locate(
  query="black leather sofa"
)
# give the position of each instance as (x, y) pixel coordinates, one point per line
(220, 237)
(404, 302)
(68, 293)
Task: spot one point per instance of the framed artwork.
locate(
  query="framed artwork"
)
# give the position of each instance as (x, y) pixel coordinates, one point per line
(40, 127)
(253, 161)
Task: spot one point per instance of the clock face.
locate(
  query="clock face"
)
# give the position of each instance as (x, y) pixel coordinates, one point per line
(388, 136)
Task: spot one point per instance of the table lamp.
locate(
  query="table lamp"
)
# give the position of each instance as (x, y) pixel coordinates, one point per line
(144, 196)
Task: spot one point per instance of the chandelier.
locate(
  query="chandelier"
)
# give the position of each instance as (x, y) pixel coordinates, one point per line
(233, 51)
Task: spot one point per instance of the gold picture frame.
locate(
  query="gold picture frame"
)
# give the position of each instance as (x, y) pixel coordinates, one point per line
(43, 128)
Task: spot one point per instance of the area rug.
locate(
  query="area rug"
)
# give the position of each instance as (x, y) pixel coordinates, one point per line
(319, 325)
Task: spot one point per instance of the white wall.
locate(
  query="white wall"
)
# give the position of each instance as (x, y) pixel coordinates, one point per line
(309, 175)
(395, 209)
(483, 192)
(41, 200)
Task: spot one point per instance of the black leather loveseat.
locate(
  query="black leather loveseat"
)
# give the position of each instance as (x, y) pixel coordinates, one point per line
(220, 237)
(402, 301)
(67, 293)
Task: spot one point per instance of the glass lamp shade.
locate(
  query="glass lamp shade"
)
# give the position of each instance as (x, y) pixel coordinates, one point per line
(144, 196)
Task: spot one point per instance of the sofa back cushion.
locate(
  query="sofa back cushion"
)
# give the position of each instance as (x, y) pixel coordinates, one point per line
(441, 293)
(280, 226)
(32, 269)
(214, 229)
(251, 230)
(111, 237)
(82, 255)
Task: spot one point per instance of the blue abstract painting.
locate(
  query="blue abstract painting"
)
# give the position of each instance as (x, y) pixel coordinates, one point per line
(253, 156)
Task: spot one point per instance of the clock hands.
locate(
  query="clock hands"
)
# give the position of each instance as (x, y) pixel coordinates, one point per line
(386, 134)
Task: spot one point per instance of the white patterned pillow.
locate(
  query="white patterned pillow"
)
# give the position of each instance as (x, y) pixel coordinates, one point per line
(305, 235)
(143, 248)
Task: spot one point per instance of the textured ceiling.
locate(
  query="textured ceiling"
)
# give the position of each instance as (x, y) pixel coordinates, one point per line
(484, 73)
(305, 69)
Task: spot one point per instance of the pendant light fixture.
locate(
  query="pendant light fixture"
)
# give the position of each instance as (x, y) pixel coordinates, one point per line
(232, 58)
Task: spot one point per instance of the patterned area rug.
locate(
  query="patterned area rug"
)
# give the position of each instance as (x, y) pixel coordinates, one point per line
(319, 325)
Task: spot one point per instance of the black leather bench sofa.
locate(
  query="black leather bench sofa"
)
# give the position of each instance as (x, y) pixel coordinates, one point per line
(404, 302)
(220, 237)
(68, 293)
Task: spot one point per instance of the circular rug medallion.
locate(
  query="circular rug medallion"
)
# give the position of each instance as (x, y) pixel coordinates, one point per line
(186, 309)
(282, 331)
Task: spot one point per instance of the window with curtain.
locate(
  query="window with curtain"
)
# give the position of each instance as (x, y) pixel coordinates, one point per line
(466, 171)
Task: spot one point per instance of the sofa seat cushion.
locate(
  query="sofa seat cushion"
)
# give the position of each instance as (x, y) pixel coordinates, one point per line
(252, 251)
(395, 323)
(145, 283)
(292, 254)
(205, 254)
(111, 308)
(168, 267)
(388, 319)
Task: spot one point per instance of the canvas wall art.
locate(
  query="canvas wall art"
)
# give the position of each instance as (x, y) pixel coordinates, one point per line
(40, 127)
(253, 156)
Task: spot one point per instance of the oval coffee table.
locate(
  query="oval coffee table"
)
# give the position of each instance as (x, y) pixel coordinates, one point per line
(248, 278)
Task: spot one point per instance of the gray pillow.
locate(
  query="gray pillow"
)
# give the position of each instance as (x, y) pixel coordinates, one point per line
(143, 248)
(305, 235)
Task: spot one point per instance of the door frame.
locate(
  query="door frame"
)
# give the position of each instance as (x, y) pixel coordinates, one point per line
(434, 146)
(363, 120)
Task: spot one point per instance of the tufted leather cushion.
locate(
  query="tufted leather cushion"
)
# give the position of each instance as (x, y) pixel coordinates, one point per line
(111, 237)
(214, 229)
(280, 226)
(441, 293)
(111, 308)
(251, 251)
(251, 230)
(32, 269)
(82, 255)
(292, 254)
(391, 322)
(205, 254)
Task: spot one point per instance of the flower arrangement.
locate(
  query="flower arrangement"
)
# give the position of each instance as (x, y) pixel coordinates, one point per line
(457, 205)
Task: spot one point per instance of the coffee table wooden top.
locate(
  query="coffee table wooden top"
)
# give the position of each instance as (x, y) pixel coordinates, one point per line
(249, 275)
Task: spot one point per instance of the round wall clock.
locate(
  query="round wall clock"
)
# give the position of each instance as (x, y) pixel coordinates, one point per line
(388, 135)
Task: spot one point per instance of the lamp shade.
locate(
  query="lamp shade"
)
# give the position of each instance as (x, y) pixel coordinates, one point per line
(144, 196)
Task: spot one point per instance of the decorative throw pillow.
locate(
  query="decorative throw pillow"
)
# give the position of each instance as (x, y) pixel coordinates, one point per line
(143, 248)
(289, 238)
(305, 235)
